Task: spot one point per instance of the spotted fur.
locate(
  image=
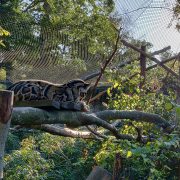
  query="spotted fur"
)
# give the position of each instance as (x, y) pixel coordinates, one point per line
(63, 96)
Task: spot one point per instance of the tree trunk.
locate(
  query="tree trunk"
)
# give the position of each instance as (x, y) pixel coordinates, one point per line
(6, 105)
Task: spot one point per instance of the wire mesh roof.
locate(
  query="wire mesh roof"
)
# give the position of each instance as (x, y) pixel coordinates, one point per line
(151, 20)
(148, 20)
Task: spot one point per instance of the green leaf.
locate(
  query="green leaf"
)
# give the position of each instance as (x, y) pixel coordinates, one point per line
(129, 154)
(178, 111)
(1, 43)
(168, 106)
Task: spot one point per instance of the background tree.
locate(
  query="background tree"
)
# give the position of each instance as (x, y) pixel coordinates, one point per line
(76, 36)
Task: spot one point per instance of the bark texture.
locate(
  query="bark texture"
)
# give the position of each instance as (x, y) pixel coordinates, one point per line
(39, 119)
(6, 104)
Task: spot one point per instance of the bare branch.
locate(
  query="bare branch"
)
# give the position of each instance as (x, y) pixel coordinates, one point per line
(66, 132)
(106, 64)
(147, 7)
(97, 96)
(153, 66)
(32, 5)
(161, 51)
(93, 119)
(96, 133)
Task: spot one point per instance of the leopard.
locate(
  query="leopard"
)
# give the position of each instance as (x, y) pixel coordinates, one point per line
(67, 96)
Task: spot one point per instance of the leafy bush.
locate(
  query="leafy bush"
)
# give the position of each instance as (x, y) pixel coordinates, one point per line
(44, 156)
(155, 160)
(159, 159)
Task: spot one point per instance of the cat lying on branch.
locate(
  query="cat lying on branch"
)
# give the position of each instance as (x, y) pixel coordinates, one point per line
(68, 96)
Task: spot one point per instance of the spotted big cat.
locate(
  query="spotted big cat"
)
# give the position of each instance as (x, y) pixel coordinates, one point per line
(68, 96)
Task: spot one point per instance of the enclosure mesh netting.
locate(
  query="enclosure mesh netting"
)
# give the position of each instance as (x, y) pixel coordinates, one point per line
(148, 20)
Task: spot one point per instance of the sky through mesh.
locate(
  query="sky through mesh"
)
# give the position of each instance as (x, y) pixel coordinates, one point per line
(143, 19)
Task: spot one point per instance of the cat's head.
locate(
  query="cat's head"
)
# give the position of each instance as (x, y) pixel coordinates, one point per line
(81, 86)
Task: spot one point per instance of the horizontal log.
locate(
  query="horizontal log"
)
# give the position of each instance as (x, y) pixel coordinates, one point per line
(34, 116)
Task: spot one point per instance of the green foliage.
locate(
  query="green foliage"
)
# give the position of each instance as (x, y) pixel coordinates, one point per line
(69, 32)
(2, 74)
(13, 142)
(2, 86)
(3, 32)
(80, 20)
(44, 156)
(26, 164)
(130, 97)
(155, 160)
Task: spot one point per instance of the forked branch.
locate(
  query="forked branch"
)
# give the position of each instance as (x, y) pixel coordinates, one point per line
(39, 119)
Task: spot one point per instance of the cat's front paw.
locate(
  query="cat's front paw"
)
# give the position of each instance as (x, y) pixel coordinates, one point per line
(56, 104)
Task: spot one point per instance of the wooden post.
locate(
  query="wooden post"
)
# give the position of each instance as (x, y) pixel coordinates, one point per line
(6, 105)
(143, 66)
(98, 173)
(117, 166)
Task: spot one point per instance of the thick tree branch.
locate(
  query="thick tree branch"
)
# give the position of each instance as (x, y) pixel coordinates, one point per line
(134, 116)
(33, 116)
